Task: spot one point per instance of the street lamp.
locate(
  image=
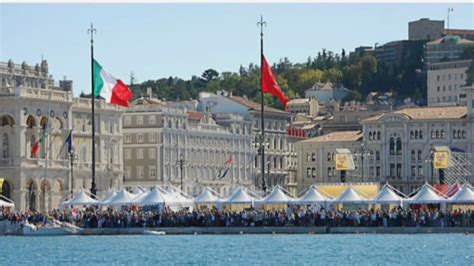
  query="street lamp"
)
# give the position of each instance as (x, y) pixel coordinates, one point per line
(181, 163)
(362, 153)
(72, 157)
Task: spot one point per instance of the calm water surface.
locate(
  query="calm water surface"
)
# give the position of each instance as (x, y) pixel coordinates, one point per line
(452, 249)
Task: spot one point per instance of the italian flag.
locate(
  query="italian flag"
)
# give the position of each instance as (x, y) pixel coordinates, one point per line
(113, 90)
(36, 147)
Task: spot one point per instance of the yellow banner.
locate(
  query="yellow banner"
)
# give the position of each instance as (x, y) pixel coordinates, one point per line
(441, 159)
(369, 190)
(344, 161)
(1, 185)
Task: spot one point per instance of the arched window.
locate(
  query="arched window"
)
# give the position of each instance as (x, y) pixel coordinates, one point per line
(459, 134)
(329, 157)
(437, 134)
(454, 134)
(442, 134)
(419, 155)
(416, 134)
(370, 135)
(413, 155)
(412, 135)
(5, 146)
(378, 135)
(399, 146)
(421, 134)
(392, 146)
(377, 156)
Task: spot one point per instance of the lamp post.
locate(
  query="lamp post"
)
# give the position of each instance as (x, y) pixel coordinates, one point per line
(181, 163)
(72, 157)
(362, 150)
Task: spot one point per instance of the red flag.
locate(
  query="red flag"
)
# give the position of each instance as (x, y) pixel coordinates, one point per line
(269, 84)
(36, 146)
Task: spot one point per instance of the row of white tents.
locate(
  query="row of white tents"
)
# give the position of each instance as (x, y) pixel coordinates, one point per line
(175, 199)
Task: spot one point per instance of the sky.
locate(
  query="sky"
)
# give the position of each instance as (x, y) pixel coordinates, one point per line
(182, 40)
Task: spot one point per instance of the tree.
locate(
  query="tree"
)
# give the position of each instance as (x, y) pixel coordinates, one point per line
(209, 75)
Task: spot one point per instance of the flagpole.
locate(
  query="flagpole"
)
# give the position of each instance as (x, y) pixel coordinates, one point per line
(91, 31)
(262, 23)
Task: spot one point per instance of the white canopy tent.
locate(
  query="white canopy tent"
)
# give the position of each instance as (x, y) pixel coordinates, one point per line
(110, 194)
(312, 196)
(350, 196)
(154, 197)
(206, 197)
(426, 195)
(123, 197)
(387, 195)
(177, 198)
(80, 199)
(239, 196)
(463, 196)
(277, 196)
(6, 202)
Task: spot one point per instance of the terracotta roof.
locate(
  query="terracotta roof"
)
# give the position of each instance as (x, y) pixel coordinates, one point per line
(195, 115)
(337, 136)
(254, 106)
(427, 113)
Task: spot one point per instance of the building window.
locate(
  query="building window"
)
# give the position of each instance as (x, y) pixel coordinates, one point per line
(313, 172)
(151, 137)
(140, 137)
(399, 169)
(128, 138)
(413, 170)
(313, 157)
(139, 119)
(377, 156)
(152, 170)
(392, 170)
(151, 119)
(308, 172)
(308, 157)
(419, 155)
(127, 154)
(442, 134)
(413, 156)
(329, 157)
(399, 146)
(377, 171)
(378, 135)
(140, 173)
(152, 153)
(329, 172)
(127, 120)
(420, 170)
(128, 172)
(140, 153)
(392, 146)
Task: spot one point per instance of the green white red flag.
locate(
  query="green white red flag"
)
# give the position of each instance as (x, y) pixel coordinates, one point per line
(113, 90)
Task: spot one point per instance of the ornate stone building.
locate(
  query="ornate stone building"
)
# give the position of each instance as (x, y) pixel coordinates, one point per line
(163, 144)
(279, 150)
(29, 100)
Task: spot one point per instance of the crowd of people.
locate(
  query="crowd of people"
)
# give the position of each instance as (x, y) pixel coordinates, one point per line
(133, 217)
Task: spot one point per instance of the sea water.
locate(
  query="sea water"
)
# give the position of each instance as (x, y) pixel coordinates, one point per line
(353, 249)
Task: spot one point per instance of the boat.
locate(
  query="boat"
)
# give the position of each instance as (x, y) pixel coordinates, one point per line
(156, 233)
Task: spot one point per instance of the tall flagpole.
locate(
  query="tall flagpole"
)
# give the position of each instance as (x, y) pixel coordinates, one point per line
(262, 23)
(92, 31)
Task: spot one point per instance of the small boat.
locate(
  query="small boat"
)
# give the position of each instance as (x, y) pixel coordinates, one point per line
(156, 233)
